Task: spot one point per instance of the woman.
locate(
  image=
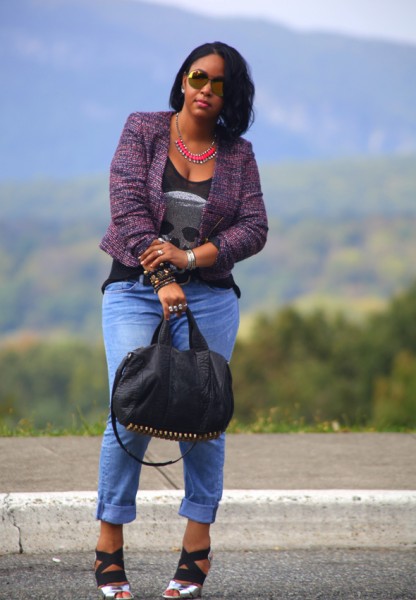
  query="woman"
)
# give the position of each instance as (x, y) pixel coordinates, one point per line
(185, 194)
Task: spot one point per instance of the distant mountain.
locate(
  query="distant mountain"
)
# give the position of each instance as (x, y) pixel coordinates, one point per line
(72, 70)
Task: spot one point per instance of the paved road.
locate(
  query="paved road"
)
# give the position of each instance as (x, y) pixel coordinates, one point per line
(315, 461)
(272, 575)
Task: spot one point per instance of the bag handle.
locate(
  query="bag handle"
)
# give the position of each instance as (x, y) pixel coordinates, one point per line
(196, 340)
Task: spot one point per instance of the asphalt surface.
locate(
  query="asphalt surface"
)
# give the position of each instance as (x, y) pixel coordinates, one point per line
(273, 575)
(348, 461)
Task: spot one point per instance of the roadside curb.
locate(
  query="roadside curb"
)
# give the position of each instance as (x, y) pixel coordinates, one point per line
(255, 519)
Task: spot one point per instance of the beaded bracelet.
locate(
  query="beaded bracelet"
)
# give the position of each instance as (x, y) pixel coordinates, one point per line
(163, 283)
(161, 277)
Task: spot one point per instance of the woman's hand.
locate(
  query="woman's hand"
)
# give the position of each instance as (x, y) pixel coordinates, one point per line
(172, 299)
(159, 252)
(171, 296)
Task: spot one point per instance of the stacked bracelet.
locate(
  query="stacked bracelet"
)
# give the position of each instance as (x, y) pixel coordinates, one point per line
(191, 260)
(161, 277)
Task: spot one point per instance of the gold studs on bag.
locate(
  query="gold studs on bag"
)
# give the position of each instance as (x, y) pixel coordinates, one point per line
(172, 435)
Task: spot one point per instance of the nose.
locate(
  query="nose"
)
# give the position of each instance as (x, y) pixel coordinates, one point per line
(207, 89)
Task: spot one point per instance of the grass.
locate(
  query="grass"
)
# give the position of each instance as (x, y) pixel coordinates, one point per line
(26, 429)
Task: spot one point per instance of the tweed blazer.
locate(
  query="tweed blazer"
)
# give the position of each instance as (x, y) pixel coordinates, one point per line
(234, 212)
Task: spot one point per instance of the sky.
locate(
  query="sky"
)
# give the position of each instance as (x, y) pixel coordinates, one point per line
(393, 20)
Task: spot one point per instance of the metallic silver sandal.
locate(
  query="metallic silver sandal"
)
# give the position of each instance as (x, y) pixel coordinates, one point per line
(109, 592)
(192, 575)
(111, 583)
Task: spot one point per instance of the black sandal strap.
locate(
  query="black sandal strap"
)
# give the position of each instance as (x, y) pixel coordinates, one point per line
(106, 560)
(111, 578)
(110, 558)
(192, 574)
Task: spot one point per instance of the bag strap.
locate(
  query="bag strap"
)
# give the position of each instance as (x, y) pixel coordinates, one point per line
(197, 341)
(136, 458)
(160, 337)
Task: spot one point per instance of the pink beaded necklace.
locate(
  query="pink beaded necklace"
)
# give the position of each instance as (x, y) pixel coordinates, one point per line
(198, 159)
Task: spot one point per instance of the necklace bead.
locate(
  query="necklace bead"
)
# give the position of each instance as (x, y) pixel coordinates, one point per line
(197, 159)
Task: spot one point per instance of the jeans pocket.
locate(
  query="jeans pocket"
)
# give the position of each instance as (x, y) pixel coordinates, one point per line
(215, 289)
(117, 287)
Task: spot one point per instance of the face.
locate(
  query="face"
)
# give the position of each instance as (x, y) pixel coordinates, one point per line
(203, 102)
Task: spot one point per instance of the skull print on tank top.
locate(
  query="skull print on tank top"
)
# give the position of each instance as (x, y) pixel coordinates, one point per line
(185, 201)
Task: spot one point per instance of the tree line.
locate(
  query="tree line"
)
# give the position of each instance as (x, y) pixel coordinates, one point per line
(343, 230)
(316, 367)
(294, 369)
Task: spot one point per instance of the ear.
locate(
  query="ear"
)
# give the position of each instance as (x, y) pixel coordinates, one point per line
(184, 78)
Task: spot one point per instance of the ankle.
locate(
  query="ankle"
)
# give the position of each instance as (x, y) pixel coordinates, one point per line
(111, 538)
(197, 546)
(197, 536)
(108, 546)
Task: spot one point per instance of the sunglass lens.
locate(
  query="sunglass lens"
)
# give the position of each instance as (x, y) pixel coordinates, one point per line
(197, 79)
(217, 87)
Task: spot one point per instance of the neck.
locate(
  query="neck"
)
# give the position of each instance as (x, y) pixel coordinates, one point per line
(192, 128)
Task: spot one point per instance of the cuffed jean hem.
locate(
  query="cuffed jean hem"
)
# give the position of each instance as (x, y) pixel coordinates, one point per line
(198, 512)
(116, 515)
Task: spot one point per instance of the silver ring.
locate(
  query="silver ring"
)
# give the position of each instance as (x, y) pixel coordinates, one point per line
(180, 306)
(175, 308)
(160, 252)
(170, 308)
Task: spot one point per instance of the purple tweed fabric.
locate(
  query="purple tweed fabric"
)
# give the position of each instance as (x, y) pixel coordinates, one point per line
(234, 212)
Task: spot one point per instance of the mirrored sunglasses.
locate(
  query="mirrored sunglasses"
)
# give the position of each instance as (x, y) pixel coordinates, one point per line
(199, 79)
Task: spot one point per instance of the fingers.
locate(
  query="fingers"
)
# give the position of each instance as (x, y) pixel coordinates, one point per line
(159, 252)
(173, 300)
(153, 256)
(174, 310)
(177, 309)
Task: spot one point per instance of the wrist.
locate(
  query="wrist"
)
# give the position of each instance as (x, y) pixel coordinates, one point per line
(191, 258)
(162, 276)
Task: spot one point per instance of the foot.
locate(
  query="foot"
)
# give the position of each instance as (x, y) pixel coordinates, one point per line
(189, 590)
(198, 569)
(110, 591)
(112, 586)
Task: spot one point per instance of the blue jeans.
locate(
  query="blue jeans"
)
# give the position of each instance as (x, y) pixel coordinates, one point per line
(131, 312)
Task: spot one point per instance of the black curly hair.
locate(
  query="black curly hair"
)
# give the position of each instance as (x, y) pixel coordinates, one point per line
(237, 114)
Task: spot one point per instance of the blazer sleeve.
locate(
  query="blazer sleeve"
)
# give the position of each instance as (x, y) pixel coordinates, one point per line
(247, 235)
(129, 204)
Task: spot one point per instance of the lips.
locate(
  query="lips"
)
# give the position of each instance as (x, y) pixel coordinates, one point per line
(202, 103)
